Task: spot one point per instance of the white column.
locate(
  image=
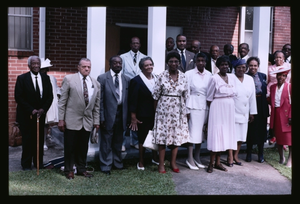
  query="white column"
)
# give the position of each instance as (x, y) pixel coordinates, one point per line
(261, 36)
(96, 38)
(42, 32)
(157, 36)
(95, 51)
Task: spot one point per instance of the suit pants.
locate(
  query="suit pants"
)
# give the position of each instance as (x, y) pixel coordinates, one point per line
(75, 149)
(110, 149)
(28, 130)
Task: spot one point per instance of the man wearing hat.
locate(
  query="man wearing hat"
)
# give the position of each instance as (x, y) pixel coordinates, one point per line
(52, 114)
(280, 119)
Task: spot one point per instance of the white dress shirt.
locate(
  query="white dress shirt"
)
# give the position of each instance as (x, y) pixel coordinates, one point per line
(120, 84)
(278, 95)
(214, 68)
(39, 82)
(89, 84)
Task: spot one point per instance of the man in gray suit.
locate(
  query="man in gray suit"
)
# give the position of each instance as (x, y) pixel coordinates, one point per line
(187, 57)
(78, 113)
(113, 115)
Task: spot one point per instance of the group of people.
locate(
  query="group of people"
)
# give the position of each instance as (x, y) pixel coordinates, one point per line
(200, 96)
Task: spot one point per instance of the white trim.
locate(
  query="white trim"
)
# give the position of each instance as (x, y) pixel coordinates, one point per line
(42, 32)
(242, 24)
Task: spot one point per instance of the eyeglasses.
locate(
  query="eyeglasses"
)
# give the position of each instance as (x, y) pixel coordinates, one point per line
(175, 61)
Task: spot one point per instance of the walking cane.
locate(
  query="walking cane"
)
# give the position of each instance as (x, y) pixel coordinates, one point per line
(38, 145)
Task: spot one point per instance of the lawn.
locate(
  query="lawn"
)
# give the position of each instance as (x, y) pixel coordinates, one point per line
(124, 182)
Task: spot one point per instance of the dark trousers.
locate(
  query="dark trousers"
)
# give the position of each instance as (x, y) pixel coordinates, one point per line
(28, 130)
(75, 149)
(110, 149)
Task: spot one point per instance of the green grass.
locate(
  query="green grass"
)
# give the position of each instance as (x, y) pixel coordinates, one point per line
(271, 156)
(125, 182)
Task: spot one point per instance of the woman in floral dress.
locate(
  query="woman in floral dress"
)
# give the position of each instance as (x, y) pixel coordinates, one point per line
(171, 125)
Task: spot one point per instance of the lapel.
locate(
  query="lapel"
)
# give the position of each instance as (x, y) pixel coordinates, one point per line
(284, 94)
(29, 81)
(109, 80)
(94, 92)
(144, 86)
(124, 88)
(129, 60)
(78, 86)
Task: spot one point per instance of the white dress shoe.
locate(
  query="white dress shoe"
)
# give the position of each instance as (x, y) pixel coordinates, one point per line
(140, 168)
(154, 162)
(190, 166)
(199, 164)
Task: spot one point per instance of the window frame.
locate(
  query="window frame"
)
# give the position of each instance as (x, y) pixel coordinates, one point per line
(31, 29)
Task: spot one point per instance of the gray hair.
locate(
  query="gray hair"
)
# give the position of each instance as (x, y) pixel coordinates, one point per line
(142, 61)
(30, 58)
(84, 59)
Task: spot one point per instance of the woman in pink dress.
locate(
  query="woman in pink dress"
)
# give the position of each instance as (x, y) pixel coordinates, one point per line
(221, 123)
(280, 120)
(279, 59)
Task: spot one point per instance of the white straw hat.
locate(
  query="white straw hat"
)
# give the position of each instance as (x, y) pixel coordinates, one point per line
(281, 70)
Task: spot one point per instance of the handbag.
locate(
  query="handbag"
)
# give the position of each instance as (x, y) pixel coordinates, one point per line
(148, 141)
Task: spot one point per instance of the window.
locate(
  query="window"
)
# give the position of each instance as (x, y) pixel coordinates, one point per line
(247, 32)
(20, 28)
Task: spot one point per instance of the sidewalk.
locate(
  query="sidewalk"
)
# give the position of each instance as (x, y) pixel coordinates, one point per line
(250, 179)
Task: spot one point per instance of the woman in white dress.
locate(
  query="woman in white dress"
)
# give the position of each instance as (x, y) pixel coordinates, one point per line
(221, 122)
(52, 113)
(198, 79)
(245, 105)
(170, 124)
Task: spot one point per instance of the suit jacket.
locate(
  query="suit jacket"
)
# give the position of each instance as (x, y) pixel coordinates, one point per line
(285, 107)
(189, 58)
(26, 98)
(71, 105)
(109, 102)
(129, 69)
(263, 108)
(140, 99)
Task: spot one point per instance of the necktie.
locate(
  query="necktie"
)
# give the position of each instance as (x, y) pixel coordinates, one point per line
(85, 92)
(183, 60)
(134, 59)
(37, 88)
(117, 86)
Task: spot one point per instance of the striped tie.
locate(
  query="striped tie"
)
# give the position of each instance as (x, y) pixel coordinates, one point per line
(117, 86)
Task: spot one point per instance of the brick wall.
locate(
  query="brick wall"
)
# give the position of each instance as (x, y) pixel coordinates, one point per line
(197, 22)
(209, 25)
(17, 64)
(281, 27)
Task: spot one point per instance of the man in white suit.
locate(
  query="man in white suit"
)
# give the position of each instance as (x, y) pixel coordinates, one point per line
(78, 113)
(130, 68)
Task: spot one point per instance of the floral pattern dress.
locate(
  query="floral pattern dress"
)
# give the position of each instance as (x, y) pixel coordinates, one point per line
(171, 126)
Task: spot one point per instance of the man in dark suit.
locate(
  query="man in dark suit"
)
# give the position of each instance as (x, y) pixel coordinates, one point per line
(187, 57)
(211, 61)
(113, 115)
(33, 94)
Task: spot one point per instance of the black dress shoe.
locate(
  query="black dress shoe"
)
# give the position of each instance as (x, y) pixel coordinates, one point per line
(248, 158)
(27, 169)
(106, 172)
(85, 174)
(70, 175)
